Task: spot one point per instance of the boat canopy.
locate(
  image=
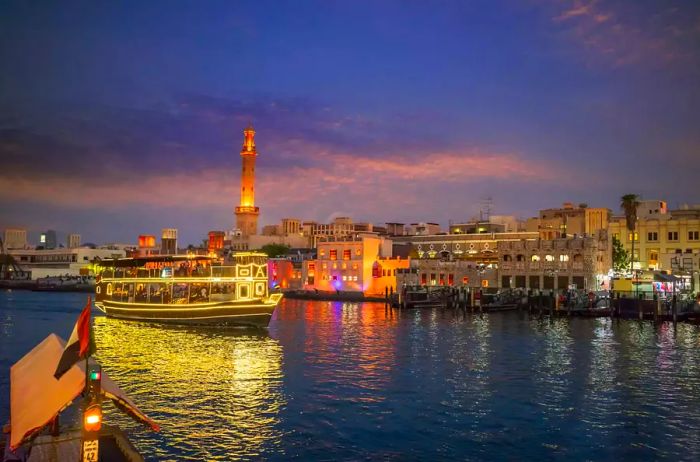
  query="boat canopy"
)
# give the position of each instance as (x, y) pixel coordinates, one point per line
(142, 261)
(36, 397)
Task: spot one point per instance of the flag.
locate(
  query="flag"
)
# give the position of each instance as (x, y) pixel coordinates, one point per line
(79, 345)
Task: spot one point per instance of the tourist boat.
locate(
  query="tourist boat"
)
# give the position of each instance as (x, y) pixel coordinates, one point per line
(187, 289)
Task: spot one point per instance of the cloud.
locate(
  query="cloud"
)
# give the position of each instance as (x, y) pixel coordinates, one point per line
(630, 33)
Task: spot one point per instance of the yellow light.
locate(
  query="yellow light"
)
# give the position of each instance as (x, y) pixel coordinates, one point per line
(92, 419)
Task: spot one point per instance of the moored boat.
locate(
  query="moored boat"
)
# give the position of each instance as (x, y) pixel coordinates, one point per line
(185, 289)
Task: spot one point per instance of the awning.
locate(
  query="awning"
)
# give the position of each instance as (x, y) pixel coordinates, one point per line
(36, 397)
(661, 277)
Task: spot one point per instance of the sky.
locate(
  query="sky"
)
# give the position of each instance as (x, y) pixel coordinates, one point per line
(122, 118)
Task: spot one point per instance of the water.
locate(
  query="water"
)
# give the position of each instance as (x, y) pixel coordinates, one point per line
(344, 381)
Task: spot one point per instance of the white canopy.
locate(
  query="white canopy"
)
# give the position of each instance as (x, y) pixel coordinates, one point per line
(36, 396)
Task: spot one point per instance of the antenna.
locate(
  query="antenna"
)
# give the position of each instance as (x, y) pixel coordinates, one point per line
(486, 204)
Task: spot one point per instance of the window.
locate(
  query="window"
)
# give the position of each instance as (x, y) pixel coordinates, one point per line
(653, 256)
(673, 235)
(322, 252)
(312, 266)
(652, 236)
(334, 254)
(535, 258)
(688, 250)
(634, 236)
(693, 235)
(563, 258)
(346, 254)
(549, 257)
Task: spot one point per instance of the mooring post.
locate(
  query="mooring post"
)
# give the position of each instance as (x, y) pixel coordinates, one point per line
(674, 306)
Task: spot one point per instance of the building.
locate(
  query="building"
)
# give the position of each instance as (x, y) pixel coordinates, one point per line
(395, 229)
(73, 241)
(147, 245)
(15, 238)
(247, 213)
(651, 208)
(423, 229)
(215, 242)
(62, 262)
(661, 237)
(459, 273)
(569, 221)
(362, 263)
(168, 241)
(485, 259)
(48, 240)
(579, 262)
(477, 227)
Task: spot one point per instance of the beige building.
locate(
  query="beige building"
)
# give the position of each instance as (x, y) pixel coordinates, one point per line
(582, 262)
(362, 263)
(73, 241)
(423, 229)
(62, 262)
(569, 220)
(15, 238)
(459, 273)
(520, 259)
(661, 237)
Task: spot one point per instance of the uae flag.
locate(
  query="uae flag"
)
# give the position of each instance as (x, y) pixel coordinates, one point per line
(80, 344)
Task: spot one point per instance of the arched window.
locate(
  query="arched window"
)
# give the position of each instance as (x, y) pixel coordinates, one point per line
(520, 257)
(535, 258)
(549, 257)
(563, 258)
(578, 258)
(507, 258)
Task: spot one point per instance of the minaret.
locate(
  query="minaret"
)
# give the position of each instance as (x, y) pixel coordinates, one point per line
(247, 213)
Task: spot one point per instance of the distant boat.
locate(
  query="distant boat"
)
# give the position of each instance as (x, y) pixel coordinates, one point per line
(185, 289)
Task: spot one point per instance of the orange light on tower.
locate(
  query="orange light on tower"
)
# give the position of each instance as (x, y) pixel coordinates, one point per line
(247, 213)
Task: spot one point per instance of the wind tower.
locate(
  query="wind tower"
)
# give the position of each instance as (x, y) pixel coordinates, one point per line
(247, 213)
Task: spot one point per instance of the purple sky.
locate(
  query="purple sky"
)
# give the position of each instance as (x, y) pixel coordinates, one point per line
(121, 119)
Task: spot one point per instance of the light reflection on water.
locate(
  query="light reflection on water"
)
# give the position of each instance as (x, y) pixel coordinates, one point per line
(215, 393)
(348, 381)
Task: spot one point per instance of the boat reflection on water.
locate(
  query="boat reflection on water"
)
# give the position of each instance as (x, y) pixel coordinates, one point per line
(216, 393)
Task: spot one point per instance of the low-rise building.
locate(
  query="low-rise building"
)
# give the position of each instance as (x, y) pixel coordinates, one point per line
(569, 220)
(15, 238)
(661, 237)
(362, 263)
(62, 262)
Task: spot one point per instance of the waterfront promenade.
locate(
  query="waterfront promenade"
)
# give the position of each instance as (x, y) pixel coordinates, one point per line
(351, 381)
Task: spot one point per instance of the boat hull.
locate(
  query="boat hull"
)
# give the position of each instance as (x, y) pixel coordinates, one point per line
(251, 314)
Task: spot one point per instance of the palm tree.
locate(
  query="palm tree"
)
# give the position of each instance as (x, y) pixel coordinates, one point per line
(629, 204)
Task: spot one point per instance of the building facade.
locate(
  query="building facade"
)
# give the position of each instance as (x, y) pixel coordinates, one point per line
(62, 262)
(73, 241)
(15, 238)
(362, 263)
(661, 238)
(569, 220)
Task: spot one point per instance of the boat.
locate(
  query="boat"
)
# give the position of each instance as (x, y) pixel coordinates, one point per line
(187, 289)
(37, 399)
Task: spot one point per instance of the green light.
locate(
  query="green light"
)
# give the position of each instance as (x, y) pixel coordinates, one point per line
(95, 375)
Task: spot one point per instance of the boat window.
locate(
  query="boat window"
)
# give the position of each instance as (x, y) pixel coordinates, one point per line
(180, 293)
(199, 293)
(243, 291)
(155, 292)
(141, 295)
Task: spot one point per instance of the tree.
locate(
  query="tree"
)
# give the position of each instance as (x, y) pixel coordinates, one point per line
(629, 204)
(275, 250)
(621, 257)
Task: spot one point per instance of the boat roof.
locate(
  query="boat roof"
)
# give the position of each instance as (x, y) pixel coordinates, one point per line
(36, 396)
(141, 261)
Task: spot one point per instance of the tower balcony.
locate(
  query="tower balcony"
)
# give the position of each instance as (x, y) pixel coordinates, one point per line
(247, 209)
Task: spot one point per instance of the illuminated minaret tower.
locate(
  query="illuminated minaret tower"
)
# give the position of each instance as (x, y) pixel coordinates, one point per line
(247, 213)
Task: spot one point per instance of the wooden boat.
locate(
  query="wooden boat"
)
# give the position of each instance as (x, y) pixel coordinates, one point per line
(37, 398)
(186, 289)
